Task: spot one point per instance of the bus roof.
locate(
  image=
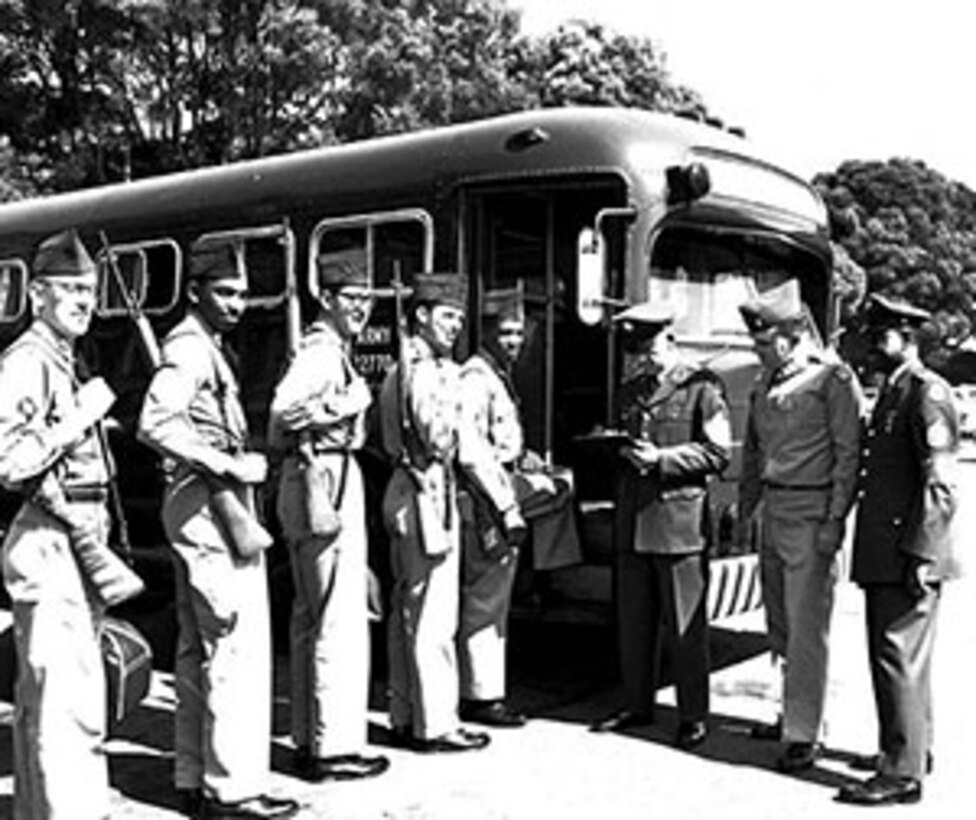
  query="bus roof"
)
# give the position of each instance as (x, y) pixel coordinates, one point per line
(532, 143)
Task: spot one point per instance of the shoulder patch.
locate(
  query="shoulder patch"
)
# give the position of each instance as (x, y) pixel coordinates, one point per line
(938, 391)
(842, 373)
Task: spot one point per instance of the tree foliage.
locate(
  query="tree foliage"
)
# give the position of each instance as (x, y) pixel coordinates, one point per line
(93, 91)
(913, 232)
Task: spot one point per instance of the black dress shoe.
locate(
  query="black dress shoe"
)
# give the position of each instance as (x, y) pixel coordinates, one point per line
(461, 740)
(340, 767)
(190, 801)
(401, 737)
(872, 763)
(621, 721)
(767, 731)
(798, 756)
(490, 713)
(263, 806)
(690, 734)
(880, 790)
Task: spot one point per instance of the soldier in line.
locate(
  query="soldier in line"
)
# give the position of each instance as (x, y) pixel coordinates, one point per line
(57, 566)
(903, 550)
(799, 471)
(494, 528)
(318, 422)
(192, 415)
(420, 408)
(678, 421)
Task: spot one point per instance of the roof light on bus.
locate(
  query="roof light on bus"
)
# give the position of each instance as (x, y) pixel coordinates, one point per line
(686, 183)
(528, 138)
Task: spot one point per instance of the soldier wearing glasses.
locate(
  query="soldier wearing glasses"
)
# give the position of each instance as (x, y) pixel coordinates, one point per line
(57, 566)
(318, 421)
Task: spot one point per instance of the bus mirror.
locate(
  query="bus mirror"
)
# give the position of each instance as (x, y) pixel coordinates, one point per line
(589, 282)
(686, 183)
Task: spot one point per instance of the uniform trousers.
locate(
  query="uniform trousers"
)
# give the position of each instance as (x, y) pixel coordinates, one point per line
(423, 670)
(60, 769)
(223, 654)
(487, 578)
(901, 637)
(798, 584)
(330, 625)
(660, 595)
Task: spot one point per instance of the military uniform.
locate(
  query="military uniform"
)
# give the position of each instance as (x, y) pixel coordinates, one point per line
(799, 470)
(60, 768)
(193, 416)
(660, 531)
(329, 621)
(907, 501)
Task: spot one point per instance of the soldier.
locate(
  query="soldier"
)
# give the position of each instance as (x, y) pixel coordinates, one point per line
(58, 568)
(678, 421)
(799, 471)
(192, 415)
(420, 408)
(902, 549)
(491, 450)
(318, 422)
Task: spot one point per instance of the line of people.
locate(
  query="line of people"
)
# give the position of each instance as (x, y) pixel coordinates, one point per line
(806, 462)
(459, 466)
(463, 497)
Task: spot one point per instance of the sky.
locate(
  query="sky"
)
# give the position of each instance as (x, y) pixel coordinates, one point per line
(813, 83)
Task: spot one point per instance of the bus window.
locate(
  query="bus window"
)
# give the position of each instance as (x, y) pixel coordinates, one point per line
(13, 289)
(265, 263)
(398, 245)
(149, 272)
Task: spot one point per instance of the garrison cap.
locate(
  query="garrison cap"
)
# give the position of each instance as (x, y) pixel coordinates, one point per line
(441, 289)
(645, 319)
(213, 260)
(504, 304)
(777, 307)
(341, 269)
(889, 312)
(63, 254)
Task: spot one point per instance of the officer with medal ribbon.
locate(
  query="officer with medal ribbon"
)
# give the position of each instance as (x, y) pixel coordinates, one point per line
(57, 565)
(420, 410)
(799, 472)
(903, 548)
(678, 420)
(317, 421)
(192, 415)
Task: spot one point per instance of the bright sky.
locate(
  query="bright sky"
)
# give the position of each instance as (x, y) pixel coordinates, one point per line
(817, 82)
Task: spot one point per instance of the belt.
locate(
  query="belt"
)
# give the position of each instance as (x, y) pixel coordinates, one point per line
(798, 488)
(87, 493)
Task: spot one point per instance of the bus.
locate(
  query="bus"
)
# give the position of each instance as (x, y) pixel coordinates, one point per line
(590, 209)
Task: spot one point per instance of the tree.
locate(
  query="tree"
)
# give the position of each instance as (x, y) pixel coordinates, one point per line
(914, 234)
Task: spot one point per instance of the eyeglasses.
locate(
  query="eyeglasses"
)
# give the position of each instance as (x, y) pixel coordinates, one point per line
(360, 297)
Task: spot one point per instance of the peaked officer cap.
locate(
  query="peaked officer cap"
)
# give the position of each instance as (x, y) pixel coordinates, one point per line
(441, 288)
(63, 254)
(885, 311)
(645, 318)
(343, 269)
(212, 260)
(777, 307)
(504, 304)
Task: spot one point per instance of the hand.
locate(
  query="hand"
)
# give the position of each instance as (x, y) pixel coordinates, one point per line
(249, 468)
(643, 455)
(830, 535)
(917, 580)
(531, 462)
(516, 530)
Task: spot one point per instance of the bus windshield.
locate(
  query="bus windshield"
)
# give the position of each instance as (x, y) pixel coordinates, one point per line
(704, 275)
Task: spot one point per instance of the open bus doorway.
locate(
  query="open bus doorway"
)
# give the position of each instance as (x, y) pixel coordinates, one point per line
(530, 234)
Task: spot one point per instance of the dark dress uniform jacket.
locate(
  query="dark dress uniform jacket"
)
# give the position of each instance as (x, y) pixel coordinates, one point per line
(667, 506)
(907, 490)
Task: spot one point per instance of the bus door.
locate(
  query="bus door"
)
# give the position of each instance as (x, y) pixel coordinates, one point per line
(530, 233)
